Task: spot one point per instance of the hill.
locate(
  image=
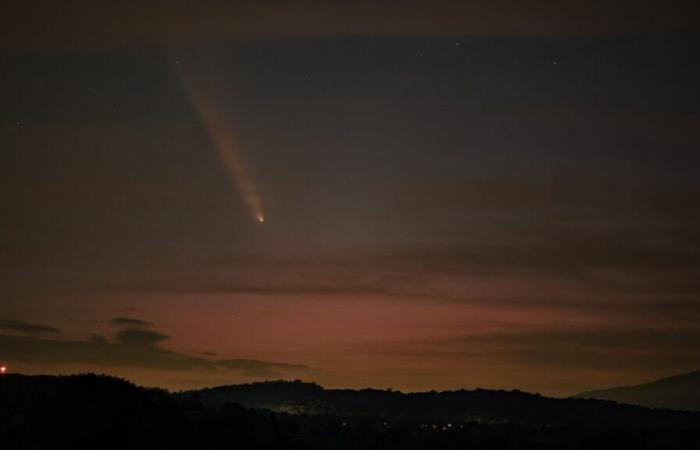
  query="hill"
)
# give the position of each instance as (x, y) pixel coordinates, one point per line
(681, 392)
(91, 411)
(461, 406)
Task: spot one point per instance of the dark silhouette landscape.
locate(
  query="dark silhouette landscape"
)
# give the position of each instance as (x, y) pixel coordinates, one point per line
(93, 411)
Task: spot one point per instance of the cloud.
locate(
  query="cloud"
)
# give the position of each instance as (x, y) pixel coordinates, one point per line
(574, 252)
(129, 322)
(603, 348)
(579, 266)
(640, 240)
(587, 348)
(27, 328)
(127, 350)
(177, 22)
(140, 338)
(130, 347)
(257, 368)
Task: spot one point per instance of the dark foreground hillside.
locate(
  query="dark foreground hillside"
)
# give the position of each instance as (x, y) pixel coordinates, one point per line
(97, 412)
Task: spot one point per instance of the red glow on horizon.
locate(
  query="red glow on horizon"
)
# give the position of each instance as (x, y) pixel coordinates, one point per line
(3, 369)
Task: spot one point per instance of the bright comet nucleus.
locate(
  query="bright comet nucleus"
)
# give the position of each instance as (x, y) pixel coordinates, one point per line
(260, 218)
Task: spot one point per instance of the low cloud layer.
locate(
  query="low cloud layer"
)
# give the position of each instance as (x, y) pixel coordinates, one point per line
(129, 347)
(129, 322)
(176, 22)
(584, 348)
(27, 328)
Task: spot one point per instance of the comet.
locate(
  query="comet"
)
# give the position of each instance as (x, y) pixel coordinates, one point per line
(223, 140)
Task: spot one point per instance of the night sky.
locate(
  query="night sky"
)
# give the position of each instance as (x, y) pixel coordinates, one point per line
(416, 195)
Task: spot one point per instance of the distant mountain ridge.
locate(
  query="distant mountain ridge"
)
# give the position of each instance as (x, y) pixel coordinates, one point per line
(480, 405)
(680, 392)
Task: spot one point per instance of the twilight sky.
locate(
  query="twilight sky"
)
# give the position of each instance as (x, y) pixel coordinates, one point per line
(498, 194)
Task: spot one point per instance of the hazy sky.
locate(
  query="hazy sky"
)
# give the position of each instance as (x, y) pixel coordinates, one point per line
(502, 194)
